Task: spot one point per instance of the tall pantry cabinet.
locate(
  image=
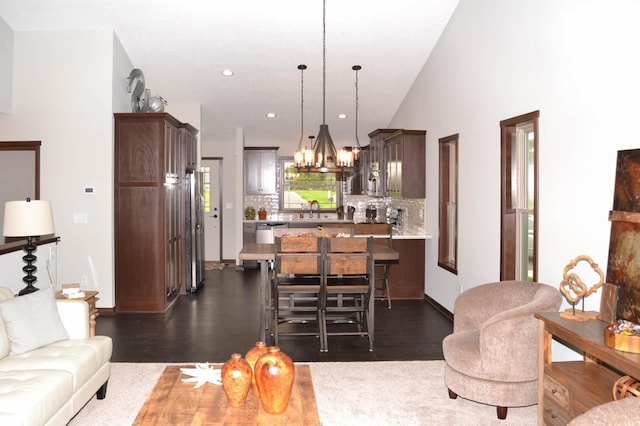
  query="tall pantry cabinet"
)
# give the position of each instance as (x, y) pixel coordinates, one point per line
(149, 210)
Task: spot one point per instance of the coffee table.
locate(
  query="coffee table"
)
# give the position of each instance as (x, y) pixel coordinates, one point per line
(174, 402)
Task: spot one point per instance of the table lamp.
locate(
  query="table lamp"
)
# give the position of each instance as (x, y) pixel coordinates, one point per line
(28, 218)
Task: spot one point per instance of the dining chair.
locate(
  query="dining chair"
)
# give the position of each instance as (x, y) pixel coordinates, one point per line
(383, 234)
(347, 287)
(296, 286)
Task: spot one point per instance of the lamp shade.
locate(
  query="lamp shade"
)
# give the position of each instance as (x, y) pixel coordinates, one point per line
(27, 218)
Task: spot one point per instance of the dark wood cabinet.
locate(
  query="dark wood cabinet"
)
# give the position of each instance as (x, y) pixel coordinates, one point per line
(406, 279)
(249, 236)
(190, 135)
(404, 157)
(376, 172)
(149, 210)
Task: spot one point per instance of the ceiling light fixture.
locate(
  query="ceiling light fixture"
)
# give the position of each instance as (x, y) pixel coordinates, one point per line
(303, 156)
(357, 148)
(271, 115)
(325, 155)
(227, 73)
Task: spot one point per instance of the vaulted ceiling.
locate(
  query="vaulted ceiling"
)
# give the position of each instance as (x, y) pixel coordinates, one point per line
(183, 46)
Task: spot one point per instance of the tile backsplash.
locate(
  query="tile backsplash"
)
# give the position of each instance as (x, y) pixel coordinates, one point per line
(413, 210)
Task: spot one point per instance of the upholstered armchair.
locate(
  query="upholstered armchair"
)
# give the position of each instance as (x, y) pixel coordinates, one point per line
(492, 355)
(623, 412)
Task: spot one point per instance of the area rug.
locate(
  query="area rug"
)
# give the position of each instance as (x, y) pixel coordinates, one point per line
(210, 265)
(347, 393)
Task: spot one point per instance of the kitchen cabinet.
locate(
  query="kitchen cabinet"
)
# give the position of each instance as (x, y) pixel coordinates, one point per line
(190, 135)
(260, 171)
(249, 230)
(406, 279)
(404, 150)
(568, 389)
(149, 211)
(376, 178)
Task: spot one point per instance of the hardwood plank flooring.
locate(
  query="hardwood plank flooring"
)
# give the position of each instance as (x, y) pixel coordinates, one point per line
(222, 317)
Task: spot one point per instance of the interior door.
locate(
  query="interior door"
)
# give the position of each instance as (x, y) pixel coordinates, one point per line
(212, 184)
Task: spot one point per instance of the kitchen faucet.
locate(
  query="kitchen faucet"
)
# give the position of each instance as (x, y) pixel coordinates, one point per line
(311, 208)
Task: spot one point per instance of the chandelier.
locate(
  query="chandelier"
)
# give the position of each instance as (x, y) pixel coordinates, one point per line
(322, 156)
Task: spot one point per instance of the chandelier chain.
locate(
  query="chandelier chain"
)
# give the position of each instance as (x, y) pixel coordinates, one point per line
(301, 68)
(324, 58)
(357, 107)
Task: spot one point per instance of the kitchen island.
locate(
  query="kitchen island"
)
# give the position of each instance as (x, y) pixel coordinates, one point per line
(406, 280)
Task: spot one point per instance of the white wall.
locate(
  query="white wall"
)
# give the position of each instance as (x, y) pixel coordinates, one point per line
(231, 169)
(6, 66)
(64, 94)
(574, 61)
(11, 273)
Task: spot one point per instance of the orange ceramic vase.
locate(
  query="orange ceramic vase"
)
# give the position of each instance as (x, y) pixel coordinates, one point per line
(274, 373)
(252, 356)
(236, 380)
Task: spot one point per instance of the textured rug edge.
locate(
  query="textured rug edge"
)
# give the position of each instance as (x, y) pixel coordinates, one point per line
(347, 393)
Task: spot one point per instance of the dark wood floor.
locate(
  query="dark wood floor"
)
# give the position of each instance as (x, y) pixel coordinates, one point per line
(222, 317)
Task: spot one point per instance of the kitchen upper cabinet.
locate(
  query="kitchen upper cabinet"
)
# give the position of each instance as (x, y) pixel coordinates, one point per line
(404, 157)
(357, 183)
(376, 178)
(149, 211)
(260, 171)
(190, 135)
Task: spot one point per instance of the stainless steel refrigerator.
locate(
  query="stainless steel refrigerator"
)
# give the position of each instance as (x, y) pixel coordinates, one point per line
(195, 231)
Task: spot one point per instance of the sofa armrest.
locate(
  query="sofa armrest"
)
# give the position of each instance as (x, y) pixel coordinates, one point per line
(75, 317)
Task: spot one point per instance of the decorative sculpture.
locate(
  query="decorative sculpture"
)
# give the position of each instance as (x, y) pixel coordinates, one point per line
(575, 290)
(137, 88)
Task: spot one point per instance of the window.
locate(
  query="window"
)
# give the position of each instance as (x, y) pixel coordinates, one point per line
(519, 198)
(298, 188)
(206, 188)
(448, 204)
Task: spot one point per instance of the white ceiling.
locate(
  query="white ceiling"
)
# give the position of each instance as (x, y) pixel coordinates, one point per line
(182, 46)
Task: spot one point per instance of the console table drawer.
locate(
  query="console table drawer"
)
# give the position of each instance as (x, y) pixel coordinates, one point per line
(556, 393)
(553, 415)
(573, 387)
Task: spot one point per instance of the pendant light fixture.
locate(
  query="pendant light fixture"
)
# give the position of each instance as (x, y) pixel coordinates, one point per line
(357, 148)
(322, 155)
(324, 150)
(303, 156)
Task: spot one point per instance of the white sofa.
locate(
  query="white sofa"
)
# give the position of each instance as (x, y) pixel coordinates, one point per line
(50, 383)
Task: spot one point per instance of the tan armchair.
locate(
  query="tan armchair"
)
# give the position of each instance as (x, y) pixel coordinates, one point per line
(492, 355)
(623, 412)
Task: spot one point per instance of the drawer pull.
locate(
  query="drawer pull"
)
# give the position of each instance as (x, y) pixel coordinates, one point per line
(554, 390)
(553, 415)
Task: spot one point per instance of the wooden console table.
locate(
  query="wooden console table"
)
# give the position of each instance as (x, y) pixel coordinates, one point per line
(568, 389)
(90, 298)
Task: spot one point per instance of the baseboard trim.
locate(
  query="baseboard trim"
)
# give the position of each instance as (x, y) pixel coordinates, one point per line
(106, 311)
(444, 311)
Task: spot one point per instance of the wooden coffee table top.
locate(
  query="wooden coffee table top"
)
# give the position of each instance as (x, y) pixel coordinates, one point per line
(174, 402)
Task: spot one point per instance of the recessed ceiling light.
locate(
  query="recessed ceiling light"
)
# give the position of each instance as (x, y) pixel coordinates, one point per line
(271, 115)
(227, 73)
(342, 116)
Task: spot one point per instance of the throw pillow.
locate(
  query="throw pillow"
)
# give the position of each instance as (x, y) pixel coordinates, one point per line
(32, 321)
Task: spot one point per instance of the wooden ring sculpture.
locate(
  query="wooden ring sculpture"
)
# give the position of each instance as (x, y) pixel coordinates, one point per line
(572, 286)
